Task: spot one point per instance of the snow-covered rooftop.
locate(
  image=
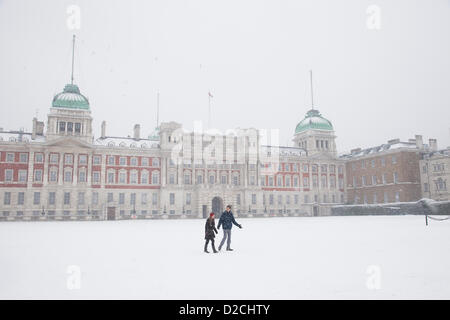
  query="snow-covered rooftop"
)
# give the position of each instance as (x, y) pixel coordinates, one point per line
(126, 142)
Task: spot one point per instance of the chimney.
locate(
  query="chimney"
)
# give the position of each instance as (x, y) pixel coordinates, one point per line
(356, 150)
(419, 142)
(137, 132)
(33, 133)
(433, 144)
(40, 128)
(103, 136)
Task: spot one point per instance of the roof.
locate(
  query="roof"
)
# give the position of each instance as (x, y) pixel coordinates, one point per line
(357, 153)
(313, 120)
(71, 98)
(126, 142)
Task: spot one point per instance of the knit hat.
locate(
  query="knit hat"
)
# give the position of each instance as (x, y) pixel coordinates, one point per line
(211, 214)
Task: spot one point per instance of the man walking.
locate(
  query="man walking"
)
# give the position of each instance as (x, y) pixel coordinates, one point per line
(227, 220)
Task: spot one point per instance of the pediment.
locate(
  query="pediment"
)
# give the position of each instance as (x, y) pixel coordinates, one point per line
(69, 142)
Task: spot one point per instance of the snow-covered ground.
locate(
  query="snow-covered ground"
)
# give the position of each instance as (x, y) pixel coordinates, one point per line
(364, 257)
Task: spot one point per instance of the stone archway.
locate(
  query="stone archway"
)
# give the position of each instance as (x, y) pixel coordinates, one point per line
(217, 206)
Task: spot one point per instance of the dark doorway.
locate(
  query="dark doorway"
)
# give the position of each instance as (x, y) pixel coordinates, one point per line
(315, 211)
(217, 206)
(111, 213)
(205, 211)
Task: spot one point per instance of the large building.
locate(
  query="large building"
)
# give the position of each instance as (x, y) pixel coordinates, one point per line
(386, 173)
(61, 171)
(435, 173)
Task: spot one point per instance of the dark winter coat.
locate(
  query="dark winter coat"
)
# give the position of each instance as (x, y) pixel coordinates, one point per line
(227, 220)
(210, 229)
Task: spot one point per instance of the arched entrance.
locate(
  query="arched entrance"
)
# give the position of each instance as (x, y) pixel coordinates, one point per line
(217, 206)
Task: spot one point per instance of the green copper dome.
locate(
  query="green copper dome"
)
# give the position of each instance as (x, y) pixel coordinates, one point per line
(154, 136)
(71, 98)
(313, 120)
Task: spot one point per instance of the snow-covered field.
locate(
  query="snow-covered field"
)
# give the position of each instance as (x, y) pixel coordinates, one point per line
(364, 257)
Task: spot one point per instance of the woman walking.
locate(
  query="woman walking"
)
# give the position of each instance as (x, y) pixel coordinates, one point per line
(210, 229)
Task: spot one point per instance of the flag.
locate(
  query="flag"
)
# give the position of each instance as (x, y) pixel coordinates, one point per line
(209, 94)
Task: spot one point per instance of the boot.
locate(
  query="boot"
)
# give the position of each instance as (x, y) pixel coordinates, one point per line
(206, 249)
(229, 249)
(214, 248)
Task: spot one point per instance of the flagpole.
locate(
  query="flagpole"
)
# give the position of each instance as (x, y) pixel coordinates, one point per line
(209, 109)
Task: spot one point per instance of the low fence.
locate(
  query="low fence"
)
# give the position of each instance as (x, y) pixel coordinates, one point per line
(421, 207)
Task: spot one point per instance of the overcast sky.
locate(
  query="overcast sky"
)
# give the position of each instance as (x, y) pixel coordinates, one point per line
(374, 84)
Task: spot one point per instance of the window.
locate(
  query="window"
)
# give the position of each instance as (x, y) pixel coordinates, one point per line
(305, 182)
(223, 179)
(199, 179)
(133, 198)
(305, 168)
(144, 177)
(364, 182)
(354, 182)
(333, 182)
(69, 126)
(441, 184)
(51, 198)
(270, 181)
(172, 198)
(314, 168)
(53, 175)
(81, 198)
(134, 161)
(78, 128)
(10, 157)
(122, 161)
(253, 198)
(383, 178)
(23, 157)
(38, 175)
(82, 159)
(96, 177)
(122, 177)
(372, 163)
(271, 199)
(111, 160)
(363, 164)
(238, 198)
(62, 126)
(94, 198)
(82, 176)
(324, 181)
(188, 198)
(395, 177)
(144, 162)
(68, 159)
(341, 183)
(340, 169)
(133, 177)
(110, 197)
(187, 179)
(323, 168)
(111, 177)
(426, 187)
(21, 198)
(280, 199)
(154, 199)
(171, 178)
(8, 175)
(155, 162)
(236, 180)
(263, 181)
(279, 181)
(315, 182)
(155, 177)
(288, 199)
(394, 159)
(7, 198)
(295, 181)
(97, 160)
(306, 198)
(288, 181)
(397, 196)
(374, 180)
(67, 176)
(37, 198)
(252, 180)
(296, 199)
(66, 198)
